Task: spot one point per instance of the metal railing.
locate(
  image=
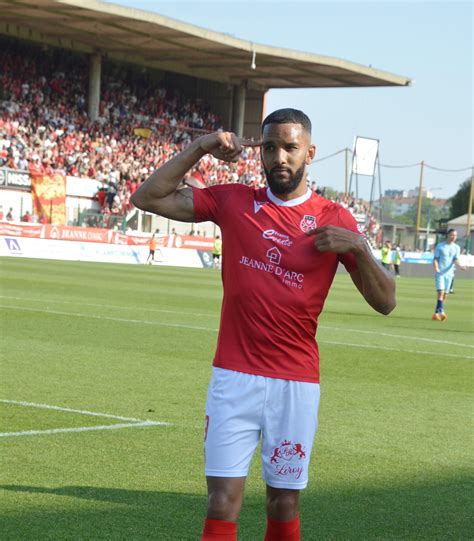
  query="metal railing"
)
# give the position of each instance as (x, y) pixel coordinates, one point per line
(91, 218)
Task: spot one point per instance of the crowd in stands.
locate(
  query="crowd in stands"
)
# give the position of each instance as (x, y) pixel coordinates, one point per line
(362, 211)
(44, 126)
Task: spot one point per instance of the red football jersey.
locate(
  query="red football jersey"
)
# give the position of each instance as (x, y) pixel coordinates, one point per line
(275, 280)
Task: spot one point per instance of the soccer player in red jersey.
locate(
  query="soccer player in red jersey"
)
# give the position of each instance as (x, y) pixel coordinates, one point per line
(282, 246)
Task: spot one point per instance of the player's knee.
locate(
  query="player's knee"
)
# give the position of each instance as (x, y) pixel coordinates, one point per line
(223, 505)
(282, 504)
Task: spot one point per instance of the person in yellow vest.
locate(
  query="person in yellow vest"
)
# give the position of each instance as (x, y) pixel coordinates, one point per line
(387, 255)
(217, 252)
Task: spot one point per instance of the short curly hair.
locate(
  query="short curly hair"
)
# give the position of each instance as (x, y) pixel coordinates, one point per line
(288, 116)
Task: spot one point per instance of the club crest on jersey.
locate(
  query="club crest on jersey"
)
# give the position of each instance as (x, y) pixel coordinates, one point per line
(286, 459)
(307, 223)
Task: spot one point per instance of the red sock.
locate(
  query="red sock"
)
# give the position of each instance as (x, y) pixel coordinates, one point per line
(219, 530)
(283, 531)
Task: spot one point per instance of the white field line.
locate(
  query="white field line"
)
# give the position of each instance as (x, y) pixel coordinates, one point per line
(135, 422)
(110, 318)
(111, 306)
(145, 322)
(434, 354)
(69, 410)
(417, 338)
(79, 429)
(158, 310)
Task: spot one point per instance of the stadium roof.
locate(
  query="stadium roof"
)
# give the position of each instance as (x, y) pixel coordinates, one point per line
(152, 40)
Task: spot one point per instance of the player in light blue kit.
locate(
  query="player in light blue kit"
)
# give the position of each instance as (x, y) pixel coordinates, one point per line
(446, 256)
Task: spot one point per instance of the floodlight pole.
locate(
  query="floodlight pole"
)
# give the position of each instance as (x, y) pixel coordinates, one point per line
(418, 211)
(380, 189)
(346, 187)
(372, 186)
(371, 193)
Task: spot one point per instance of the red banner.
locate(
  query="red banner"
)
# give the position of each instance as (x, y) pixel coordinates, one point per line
(82, 234)
(8, 229)
(49, 196)
(105, 236)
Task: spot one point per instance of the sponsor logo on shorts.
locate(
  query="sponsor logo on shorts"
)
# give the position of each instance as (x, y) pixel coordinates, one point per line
(307, 223)
(286, 459)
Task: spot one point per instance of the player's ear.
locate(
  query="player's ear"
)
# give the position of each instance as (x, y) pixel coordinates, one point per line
(310, 154)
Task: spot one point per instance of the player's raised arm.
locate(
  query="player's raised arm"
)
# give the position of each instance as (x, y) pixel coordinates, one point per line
(159, 193)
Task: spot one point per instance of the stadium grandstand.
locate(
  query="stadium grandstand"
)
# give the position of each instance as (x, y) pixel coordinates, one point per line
(102, 95)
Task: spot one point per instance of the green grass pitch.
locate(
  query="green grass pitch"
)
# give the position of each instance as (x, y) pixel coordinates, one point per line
(392, 458)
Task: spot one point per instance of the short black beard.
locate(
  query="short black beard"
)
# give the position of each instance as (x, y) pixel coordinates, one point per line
(279, 187)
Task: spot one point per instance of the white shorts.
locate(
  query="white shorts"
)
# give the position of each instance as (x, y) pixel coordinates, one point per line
(242, 407)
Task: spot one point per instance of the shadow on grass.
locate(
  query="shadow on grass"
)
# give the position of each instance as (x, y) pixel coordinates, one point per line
(431, 510)
(89, 513)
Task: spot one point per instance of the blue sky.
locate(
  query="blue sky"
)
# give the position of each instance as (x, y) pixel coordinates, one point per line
(430, 42)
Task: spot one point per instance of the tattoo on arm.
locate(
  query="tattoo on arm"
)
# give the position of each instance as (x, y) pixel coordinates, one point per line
(184, 204)
(186, 193)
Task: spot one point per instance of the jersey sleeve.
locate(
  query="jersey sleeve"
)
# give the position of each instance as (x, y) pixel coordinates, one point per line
(437, 253)
(209, 203)
(347, 221)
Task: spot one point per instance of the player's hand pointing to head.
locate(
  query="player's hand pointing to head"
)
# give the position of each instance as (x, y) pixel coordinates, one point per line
(225, 146)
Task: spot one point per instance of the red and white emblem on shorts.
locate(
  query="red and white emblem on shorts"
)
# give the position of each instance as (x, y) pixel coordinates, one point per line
(286, 459)
(307, 223)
